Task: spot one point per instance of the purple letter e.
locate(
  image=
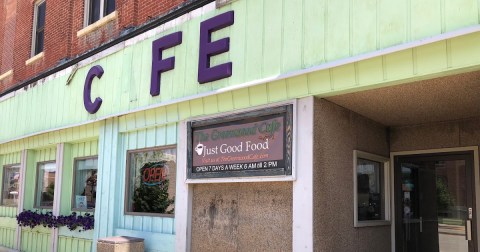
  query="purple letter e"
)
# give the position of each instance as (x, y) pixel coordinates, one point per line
(158, 65)
(208, 48)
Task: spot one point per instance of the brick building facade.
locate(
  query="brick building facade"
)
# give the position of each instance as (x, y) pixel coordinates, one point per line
(241, 125)
(63, 42)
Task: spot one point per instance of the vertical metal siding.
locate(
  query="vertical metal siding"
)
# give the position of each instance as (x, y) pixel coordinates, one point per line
(268, 38)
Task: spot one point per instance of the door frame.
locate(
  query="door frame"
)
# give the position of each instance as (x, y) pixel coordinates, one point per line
(476, 185)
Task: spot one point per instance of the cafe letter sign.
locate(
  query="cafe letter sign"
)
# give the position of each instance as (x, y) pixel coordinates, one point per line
(207, 49)
(257, 143)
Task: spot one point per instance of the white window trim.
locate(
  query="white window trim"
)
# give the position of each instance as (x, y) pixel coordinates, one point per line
(74, 182)
(16, 165)
(386, 189)
(99, 23)
(38, 200)
(86, 13)
(6, 74)
(127, 195)
(34, 30)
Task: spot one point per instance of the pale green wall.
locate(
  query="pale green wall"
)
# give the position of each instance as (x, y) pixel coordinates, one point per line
(7, 159)
(68, 244)
(268, 38)
(114, 141)
(72, 151)
(36, 240)
(74, 240)
(33, 158)
(7, 214)
(7, 231)
(80, 141)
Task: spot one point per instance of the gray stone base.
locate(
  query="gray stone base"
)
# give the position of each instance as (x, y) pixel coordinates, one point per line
(120, 244)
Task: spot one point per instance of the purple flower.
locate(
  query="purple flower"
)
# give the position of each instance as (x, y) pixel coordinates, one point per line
(31, 219)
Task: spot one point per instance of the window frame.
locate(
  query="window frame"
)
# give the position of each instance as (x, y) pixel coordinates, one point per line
(5, 167)
(34, 28)
(87, 12)
(127, 183)
(75, 160)
(386, 189)
(35, 203)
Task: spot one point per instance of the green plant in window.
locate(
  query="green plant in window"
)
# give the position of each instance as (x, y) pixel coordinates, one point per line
(152, 195)
(48, 194)
(444, 198)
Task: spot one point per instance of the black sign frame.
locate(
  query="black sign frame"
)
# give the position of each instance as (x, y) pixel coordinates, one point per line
(286, 111)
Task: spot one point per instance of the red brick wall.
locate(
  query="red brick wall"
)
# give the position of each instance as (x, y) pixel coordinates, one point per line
(8, 33)
(23, 40)
(148, 9)
(57, 34)
(2, 35)
(64, 18)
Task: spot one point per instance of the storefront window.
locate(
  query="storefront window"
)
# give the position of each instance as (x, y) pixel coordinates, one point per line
(370, 180)
(45, 185)
(11, 177)
(151, 181)
(85, 184)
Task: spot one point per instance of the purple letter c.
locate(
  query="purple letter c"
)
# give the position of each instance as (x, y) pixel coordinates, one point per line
(92, 108)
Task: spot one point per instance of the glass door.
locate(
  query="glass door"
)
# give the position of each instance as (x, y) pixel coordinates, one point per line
(434, 201)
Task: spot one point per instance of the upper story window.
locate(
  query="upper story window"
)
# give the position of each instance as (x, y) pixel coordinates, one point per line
(98, 9)
(38, 27)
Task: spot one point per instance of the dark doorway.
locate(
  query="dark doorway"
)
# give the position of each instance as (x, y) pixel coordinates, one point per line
(434, 202)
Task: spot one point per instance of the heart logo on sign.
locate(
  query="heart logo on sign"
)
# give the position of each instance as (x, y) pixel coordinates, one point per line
(199, 149)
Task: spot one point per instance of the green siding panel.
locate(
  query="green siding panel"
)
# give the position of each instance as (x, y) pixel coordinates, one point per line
(314, 34)
(337, 34)
(36, 240)
(68, 244)
(7, 237)
(112, 164)
(272, 40)
(426, 18)
(268, 38)
(7, 159)
(71, 152)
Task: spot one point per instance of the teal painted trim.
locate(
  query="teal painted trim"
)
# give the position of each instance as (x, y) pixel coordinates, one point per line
(154, 242)
(107, 167)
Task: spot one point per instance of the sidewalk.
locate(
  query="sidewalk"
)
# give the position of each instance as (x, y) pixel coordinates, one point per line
(3, 249)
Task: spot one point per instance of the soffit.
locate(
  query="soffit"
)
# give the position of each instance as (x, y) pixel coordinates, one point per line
(440, 99)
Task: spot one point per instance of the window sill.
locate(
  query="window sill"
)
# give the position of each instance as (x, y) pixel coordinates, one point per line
(6, 74)
(82, 210)
(372, 223)
(34, 58)
(150, 214)
(101, 22)
(43, 207)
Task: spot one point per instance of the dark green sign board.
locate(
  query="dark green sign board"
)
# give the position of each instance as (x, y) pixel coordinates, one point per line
(256, 143)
